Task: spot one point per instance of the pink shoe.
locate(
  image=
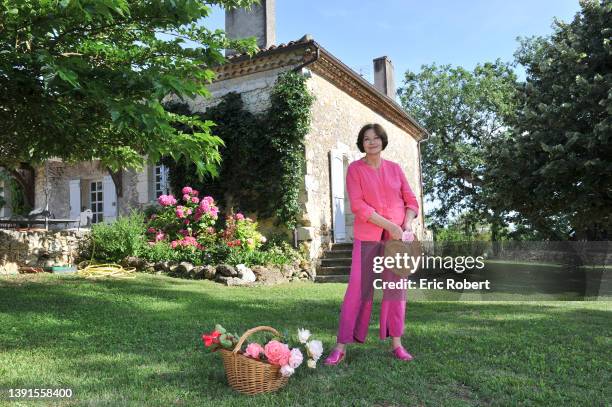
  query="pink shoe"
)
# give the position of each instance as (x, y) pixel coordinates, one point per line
(334, 357)
(402, 354)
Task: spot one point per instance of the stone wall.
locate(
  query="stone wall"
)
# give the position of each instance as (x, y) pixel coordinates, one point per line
(37, 249)
(255, 90)
(336, 120)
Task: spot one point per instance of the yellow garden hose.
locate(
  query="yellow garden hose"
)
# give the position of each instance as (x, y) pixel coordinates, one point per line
(95, 271)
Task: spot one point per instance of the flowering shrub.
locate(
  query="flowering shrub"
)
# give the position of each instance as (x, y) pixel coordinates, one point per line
(187, 225)
(184, 229)
(241, 232)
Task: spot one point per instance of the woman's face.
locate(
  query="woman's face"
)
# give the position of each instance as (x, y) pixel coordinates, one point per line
(372, 143)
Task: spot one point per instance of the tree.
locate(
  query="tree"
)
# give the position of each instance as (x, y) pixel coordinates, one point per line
(87, 79)
(554, 168)
(464, 112)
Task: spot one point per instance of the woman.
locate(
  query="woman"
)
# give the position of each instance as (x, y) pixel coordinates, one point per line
(384, 207)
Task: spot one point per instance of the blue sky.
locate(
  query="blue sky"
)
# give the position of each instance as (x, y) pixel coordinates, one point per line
(412, 33)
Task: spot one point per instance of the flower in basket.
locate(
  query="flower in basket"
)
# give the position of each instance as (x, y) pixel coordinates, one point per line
(220, 338)
(296, 358)
(253, 350)
(211, 339)
(277, 353)
(287, 370)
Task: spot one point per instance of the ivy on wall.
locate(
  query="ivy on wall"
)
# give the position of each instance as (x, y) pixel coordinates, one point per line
(263, 160)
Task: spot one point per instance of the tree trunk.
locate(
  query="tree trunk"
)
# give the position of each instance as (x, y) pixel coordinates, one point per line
(25, 177)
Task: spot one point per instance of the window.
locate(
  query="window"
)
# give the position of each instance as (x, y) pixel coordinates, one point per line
(96, 201)
(161, 180)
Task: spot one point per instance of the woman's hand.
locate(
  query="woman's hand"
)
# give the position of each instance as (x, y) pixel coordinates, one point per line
(410, 216)
(395, 231)
(408, 226)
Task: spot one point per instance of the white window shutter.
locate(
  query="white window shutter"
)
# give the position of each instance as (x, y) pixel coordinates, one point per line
(74, 186)
(337, 192)
(110, 199)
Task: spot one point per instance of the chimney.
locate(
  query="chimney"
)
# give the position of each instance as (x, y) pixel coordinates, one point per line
(384, 79)
(259, 21)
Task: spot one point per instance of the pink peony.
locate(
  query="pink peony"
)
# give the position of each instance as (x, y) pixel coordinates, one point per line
(186, 197)
(296, 358)
(194, 192)
(254, 350)
(179, 212)
(195, 200)
(159, 236)
(187, 190)
(151, 230)
(174, 244)
(277, 353)
(166, 200)
(239, 216)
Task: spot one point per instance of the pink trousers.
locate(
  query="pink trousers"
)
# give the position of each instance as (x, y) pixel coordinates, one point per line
(356, 310)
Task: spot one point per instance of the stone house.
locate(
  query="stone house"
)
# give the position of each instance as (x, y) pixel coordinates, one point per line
(344, 102)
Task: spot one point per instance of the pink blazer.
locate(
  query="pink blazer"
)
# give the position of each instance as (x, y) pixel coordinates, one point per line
(384, 190)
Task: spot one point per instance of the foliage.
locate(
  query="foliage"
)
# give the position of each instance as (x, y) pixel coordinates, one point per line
(554, 168)
(186, 223)
(241, 232)
(85, 79)
(257, 148)
(289, 123)
(189, 229)
(464, 111)
(111, 242)
(245, 157)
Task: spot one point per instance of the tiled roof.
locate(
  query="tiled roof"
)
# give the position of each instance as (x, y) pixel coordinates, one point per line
(307, 52)
(280, 47)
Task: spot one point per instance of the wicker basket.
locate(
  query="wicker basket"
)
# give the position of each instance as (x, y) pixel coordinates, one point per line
(248, 375)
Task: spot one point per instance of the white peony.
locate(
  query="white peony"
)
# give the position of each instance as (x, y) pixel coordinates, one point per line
(311, 363)
(286, 370)
(296, 358)
(303, 335)
(315, 349)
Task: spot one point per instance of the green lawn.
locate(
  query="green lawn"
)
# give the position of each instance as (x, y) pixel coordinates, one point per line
(137, 342)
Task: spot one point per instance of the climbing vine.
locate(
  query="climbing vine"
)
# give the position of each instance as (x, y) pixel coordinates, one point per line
(262, 165)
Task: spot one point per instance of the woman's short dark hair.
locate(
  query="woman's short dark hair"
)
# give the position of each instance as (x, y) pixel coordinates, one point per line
(378, 129)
